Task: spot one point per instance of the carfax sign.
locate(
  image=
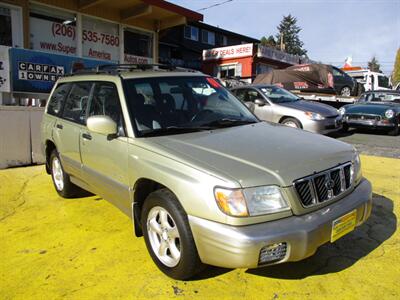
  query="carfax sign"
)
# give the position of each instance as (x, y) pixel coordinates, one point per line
(36, 72)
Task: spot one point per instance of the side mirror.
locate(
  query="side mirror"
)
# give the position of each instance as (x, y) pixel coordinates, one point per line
(102, 124)
(260, 102)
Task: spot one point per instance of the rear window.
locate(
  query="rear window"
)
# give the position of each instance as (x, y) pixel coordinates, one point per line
(57, 99)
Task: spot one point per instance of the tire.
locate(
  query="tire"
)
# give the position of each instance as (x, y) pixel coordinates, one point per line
(395, 131)
(172, 236)
(345, 127)
(62, 183)
(291, 122)
(345, 91)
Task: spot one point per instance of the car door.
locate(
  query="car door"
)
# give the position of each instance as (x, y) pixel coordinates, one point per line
(69, 125)
(105, 158)
(248, 97)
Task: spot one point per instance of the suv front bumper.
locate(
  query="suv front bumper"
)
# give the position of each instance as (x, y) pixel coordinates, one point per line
(239, 246)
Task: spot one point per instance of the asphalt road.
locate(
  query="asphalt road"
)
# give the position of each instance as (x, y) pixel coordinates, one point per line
(371, 142)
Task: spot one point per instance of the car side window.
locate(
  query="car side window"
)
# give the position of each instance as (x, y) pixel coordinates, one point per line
(57, 99)
(105, 102)
(76, 104)
(253, 95)
(337, 73)
(241, 94)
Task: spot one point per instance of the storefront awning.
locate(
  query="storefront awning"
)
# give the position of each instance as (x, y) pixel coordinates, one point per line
(150, 14)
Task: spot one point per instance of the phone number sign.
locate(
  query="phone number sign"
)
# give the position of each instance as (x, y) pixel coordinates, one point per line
(100, 39)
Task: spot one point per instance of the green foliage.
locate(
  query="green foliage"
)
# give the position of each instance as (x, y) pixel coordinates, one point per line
(374, 65)
(396, 69)
(289, 30)
(269, 42)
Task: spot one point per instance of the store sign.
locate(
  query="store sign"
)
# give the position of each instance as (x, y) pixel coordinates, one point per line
(277, 55)
(4, 69)
(228, 52)
(52, 36)
(100, 39)
(134, 59)
(36, 71)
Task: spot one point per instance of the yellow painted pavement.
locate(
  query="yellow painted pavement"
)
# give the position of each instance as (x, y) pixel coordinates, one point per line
(53, 248)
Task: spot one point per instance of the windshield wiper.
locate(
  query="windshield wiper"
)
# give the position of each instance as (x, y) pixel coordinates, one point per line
(173, 130)
(226, 122)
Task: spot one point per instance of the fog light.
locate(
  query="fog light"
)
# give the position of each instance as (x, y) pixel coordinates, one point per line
(272, 253)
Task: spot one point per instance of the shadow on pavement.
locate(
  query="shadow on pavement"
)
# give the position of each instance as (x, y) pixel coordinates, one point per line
(342, 254)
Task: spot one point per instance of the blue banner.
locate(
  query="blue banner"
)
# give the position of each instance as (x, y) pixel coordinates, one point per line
(36, 71)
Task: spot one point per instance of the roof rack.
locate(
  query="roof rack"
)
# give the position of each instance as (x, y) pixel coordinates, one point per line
(117, 68)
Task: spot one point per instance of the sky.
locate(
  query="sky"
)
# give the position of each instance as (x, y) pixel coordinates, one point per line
(331, 29)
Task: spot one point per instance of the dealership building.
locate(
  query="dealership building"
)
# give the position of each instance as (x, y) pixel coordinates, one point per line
(44, 39)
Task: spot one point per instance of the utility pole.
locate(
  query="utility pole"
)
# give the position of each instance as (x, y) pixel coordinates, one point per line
(282, 44)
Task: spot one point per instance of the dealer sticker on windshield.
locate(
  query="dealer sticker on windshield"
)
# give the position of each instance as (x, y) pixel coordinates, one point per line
(343, 225)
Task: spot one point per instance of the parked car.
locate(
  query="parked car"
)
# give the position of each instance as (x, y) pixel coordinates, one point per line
(274, 104)
(374, 110)
(204, 181)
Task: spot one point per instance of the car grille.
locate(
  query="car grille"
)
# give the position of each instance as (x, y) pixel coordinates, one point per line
(324, 186)
(362, 117)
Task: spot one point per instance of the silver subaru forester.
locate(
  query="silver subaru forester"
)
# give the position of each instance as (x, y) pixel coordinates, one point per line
(204, 181)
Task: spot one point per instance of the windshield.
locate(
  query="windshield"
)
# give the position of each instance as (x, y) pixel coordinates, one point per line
(380, 97)
(383, 81)
(173, 105)
(278, 95)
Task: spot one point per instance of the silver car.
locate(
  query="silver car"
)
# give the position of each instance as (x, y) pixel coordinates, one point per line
(274, 104)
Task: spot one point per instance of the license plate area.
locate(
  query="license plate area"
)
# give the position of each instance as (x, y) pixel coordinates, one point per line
(343, 225)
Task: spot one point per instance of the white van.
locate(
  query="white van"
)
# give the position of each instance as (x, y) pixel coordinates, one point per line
(371, 80)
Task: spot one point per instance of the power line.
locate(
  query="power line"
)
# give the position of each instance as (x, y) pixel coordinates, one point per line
(214, 5)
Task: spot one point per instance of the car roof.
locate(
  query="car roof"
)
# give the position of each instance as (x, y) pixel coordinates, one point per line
(129, 71)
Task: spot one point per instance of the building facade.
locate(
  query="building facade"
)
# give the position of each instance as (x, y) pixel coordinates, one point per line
(44, 39)
(183, 45)
(246, 61)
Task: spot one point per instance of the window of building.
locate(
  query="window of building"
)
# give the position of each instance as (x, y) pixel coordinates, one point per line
(224, 40)
(10, 26)
(76, 103)
(100, 39)
(230, 71)
(52, 30)
(191, 33)
(5, 27)
(137, 44)
(208, 37)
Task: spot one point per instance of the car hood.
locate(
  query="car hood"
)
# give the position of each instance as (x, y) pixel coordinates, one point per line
(257, 154)
(322, 109)
(369, 108)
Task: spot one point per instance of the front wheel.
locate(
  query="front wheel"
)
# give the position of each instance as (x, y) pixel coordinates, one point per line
(291, 122)
(395, 131)
(345, 91)
(168, 237)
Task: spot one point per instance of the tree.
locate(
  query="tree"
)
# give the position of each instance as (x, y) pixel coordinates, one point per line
(288, 33)
(373, 65)
(269, 42)
(396, 69)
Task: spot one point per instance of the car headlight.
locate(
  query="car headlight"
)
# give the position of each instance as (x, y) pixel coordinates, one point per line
(389, 113)
(356, 170)
(251, 201)
(342, 111)
(314, 116)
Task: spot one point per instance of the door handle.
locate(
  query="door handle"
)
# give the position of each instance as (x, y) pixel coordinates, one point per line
(86, 136)
(59, 126)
